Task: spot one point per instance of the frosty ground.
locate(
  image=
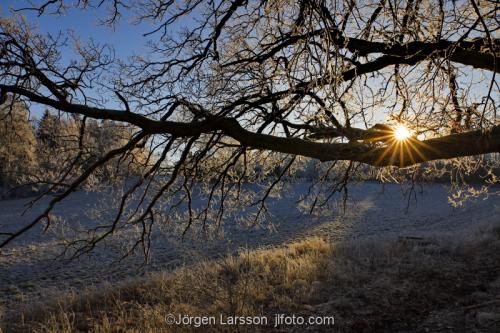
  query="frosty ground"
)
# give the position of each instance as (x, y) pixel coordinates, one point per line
(29, 270)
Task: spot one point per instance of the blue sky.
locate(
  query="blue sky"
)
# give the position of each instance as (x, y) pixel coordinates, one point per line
(124, 37)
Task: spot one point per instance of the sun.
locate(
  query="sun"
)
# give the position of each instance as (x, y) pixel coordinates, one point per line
(401, 133)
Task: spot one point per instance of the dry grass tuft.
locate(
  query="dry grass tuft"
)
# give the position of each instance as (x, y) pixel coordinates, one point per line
(374, 286)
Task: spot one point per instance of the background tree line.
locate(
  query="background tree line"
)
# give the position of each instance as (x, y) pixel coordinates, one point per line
(34, 153)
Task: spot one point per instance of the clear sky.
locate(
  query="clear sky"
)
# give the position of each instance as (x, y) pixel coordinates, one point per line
(124, 37)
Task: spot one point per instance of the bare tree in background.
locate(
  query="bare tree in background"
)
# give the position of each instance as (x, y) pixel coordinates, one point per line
(263, 84)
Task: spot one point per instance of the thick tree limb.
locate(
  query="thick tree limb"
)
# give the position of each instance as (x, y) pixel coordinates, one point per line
(396, 153)
(472, 53)
(393, 153)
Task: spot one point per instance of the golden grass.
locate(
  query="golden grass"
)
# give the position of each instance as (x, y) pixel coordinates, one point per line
(370, 286)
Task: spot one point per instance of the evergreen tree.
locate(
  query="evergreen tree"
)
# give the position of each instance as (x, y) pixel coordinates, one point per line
(49, 130)
(17, 144)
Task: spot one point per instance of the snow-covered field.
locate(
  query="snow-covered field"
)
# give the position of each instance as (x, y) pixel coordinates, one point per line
(28, 267)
